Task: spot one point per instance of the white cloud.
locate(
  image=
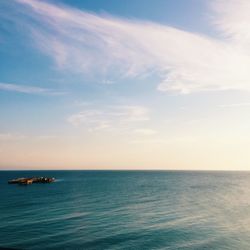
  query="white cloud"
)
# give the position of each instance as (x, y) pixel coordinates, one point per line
(232, 19)
(187, 62)
(27, 89)
(108, 118)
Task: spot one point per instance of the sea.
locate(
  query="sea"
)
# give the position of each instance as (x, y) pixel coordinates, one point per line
(126, 210)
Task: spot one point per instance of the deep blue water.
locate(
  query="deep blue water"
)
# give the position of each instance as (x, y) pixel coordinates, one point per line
(126, 210)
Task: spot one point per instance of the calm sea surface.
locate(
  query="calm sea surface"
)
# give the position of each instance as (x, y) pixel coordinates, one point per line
(126, 210)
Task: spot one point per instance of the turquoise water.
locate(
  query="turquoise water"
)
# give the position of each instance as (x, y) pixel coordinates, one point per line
(126, 210)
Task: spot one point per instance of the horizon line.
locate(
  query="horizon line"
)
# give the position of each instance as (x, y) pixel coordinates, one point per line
(149, 170)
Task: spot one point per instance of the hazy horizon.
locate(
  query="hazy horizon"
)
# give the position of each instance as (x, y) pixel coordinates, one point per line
(133, 85)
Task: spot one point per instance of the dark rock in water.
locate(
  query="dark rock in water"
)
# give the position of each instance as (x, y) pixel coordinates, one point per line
(27, 181)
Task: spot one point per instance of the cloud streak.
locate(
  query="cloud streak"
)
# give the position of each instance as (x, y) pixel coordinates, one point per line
(27, 89)
(187, 62)
(145, 131)
(11, 137)
(235, 105)
(109, 117)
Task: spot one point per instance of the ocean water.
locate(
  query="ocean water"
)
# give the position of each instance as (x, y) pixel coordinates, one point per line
(126, 210)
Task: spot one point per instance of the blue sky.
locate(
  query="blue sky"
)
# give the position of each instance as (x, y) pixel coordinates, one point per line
(124, 84)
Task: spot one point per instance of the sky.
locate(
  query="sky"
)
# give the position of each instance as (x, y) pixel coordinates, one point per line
(107, 84)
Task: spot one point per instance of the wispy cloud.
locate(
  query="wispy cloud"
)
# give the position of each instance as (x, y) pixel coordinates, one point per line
(11, 137)
(107, 82)
(232, 19)
(109, 118)
(187, 62)
(28, 89)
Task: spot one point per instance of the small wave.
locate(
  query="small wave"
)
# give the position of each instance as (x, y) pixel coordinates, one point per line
(59, 180)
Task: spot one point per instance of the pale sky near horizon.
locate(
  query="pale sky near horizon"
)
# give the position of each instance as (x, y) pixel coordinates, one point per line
(106, 84)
